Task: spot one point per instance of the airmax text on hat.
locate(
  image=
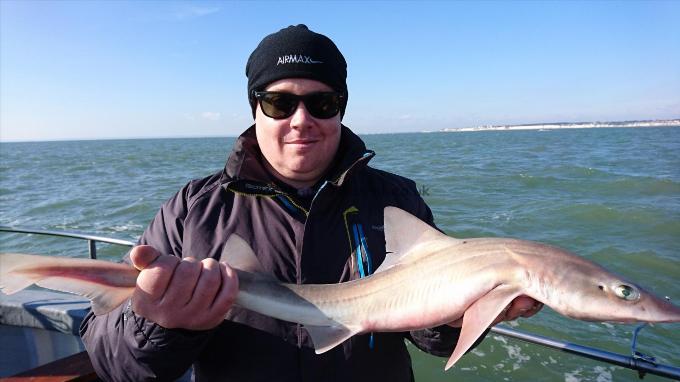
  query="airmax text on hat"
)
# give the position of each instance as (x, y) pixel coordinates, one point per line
(297, 59)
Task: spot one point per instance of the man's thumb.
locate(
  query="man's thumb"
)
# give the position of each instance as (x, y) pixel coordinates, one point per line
(143, 255)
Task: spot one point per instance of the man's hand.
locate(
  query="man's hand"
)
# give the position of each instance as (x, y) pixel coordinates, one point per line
(182, 293)
(522, 306)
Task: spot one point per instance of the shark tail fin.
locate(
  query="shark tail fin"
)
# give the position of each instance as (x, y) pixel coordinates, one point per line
(10, 281)
(105, 283)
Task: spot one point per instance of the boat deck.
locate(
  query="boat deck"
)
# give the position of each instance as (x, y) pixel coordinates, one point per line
(38, 326)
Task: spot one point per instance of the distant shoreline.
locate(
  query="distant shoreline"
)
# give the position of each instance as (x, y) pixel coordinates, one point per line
(568, 125)
(532, 126)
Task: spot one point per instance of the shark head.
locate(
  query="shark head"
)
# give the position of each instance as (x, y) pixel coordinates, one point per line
(615, 299)
(578, 288)
(592, 293)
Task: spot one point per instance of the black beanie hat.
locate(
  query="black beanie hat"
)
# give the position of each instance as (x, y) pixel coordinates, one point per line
(296, 52)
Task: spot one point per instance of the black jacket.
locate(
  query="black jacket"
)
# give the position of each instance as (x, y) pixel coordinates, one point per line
(332, 235)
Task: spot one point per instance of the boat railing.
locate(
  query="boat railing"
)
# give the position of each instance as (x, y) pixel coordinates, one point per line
(641, 363)
(91, 239)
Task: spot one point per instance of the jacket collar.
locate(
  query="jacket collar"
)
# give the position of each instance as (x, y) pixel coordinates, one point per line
(244, 165)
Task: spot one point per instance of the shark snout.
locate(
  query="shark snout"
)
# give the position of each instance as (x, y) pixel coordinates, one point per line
(654, 309)
(671, 313)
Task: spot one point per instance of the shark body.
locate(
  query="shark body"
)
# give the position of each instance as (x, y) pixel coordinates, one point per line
(427, 279)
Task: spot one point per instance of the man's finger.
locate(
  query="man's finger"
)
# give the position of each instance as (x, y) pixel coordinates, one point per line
(535, 309)
(153, 280)
(143, 255)
(228, 290)
(183, 282)
(208, 284)
(520, 307)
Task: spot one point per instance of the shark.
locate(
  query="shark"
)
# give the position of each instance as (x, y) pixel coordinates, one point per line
(427, 279)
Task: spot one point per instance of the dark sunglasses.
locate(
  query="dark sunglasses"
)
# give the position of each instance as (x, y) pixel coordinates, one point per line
(322, 105)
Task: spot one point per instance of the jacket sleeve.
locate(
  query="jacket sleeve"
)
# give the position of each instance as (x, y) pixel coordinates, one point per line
(441, 340)
(125, 347)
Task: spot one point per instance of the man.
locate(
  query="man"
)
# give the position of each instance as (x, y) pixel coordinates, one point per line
(298, 189)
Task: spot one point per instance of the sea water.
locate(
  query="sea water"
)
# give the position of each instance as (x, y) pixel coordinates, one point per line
(609, 195)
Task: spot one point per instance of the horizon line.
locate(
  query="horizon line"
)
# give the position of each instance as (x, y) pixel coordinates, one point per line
(449, 129)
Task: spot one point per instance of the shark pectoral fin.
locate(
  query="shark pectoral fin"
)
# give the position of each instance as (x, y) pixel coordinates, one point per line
(478, 317)
(239, 255)
(326, 338)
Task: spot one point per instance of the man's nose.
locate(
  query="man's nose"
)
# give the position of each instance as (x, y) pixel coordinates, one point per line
(301, 117)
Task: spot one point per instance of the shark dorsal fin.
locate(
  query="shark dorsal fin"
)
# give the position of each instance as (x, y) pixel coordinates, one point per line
(403, 232)
(239, 255)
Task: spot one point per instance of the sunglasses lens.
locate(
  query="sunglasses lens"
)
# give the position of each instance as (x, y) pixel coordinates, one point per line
(323, 105)
(278, 105)
(283, 105)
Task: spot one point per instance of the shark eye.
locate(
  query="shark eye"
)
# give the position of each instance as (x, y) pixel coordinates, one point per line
(627, 292)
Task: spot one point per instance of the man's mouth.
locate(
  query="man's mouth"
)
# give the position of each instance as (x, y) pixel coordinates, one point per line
(302, 142)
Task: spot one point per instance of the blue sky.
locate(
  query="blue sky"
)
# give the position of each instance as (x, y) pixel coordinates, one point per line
(89, 70)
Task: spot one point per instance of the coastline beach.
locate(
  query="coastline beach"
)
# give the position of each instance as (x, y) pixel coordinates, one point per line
(569, 125)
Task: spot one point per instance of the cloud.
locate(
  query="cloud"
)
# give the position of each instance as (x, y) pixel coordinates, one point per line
(211, 115)
(194, 12)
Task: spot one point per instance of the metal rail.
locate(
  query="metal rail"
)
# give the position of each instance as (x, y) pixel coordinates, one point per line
(636, 361)
(91, 239)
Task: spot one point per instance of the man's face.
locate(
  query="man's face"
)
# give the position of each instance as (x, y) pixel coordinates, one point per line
(300, 148)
